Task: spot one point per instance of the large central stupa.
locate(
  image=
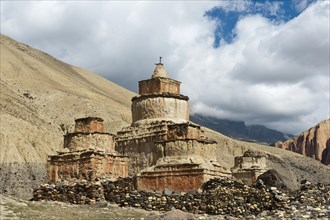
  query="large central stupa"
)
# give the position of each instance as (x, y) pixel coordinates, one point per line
(160, 100)
(164, 148)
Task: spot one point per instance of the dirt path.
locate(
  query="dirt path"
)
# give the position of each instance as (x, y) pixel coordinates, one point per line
(6, 207)
(11, 208)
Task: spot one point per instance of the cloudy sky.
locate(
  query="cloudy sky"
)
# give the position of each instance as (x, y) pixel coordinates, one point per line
(264, 62)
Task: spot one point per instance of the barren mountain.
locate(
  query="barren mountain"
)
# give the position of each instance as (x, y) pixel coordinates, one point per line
(41, 96)
(314, 143)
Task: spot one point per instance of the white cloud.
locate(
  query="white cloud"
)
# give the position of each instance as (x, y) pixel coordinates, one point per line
(272, 74)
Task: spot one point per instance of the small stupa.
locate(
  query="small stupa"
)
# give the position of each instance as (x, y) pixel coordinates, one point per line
(88, 153)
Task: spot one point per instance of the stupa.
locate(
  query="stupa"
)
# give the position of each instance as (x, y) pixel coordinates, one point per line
(88, 153)
(249, 166)
(165, 150)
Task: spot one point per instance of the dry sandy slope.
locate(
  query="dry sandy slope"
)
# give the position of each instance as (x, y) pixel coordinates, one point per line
(41, 97)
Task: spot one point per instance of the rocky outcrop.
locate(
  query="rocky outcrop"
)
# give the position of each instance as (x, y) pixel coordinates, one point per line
(314, 143)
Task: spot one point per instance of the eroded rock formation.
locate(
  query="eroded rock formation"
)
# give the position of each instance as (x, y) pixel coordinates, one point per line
(313, 143)
(88, 154)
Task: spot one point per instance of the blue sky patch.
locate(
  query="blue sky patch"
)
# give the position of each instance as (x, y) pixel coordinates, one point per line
(228, 16)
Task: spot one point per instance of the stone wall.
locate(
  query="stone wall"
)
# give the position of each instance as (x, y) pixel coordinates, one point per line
(129, 135)
(86, 165)
(224, 197)
(179, 180)
(159, 85)
(177, 177)
(184, 131)
(146, 109)
(81, 141)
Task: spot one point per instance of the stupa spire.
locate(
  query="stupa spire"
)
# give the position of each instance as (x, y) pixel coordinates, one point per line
(160, 70)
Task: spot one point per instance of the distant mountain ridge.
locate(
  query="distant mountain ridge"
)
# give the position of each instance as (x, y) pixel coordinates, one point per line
(238, 129)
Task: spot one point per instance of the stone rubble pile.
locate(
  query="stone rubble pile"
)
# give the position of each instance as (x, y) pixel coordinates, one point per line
(310, 202)
(73, 192)
(217, 197)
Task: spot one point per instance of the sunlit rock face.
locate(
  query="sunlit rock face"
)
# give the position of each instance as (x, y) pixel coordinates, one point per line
(312, 143)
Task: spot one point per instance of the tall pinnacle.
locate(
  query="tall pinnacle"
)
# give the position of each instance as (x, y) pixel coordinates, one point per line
(160, 70)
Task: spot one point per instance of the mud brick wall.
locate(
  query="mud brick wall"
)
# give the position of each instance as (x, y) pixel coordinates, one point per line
(159, 108)
(86, 165)
(159, 85)
(185, 148)
(89, 125)
(81, 141)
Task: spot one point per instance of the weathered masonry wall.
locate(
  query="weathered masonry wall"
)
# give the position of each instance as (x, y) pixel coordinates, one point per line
(178, 177)
(186, 149)
(247, 177)
(139, 143)
(249, 166)
(86, 165)
(88, 153)
(159, 108)
(81, 141)
(159, 85)
(89, 125)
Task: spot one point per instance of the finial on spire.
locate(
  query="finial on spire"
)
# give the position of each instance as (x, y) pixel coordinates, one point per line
(160, 61)
(159, 70)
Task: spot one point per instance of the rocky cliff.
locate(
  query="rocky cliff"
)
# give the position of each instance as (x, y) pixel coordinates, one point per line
(314, 143)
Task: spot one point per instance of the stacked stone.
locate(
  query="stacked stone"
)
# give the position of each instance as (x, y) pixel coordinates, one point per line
(310, 202)
(116, 191)
(312, 195)
(225, 196)
(217, 197)
(72, 192)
